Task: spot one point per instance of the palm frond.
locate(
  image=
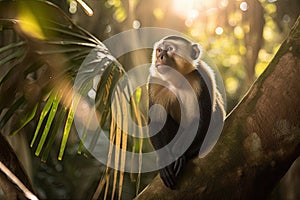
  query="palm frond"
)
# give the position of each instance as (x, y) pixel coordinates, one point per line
(61, 47)
(62, 60)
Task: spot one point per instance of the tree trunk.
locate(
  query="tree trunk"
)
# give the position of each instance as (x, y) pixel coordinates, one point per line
(259, 142)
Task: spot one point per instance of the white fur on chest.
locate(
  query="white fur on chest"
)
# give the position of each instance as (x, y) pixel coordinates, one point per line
(188, 109)
(189, 106)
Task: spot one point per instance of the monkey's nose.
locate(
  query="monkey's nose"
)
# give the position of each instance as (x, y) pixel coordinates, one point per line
(162, 57)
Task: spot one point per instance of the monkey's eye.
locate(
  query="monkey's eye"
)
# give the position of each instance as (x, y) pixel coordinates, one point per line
(158, 50)
(170, 48)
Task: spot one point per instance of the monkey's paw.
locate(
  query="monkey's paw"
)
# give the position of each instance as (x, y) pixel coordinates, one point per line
(169, 173)
(179, 165)
(168, 176)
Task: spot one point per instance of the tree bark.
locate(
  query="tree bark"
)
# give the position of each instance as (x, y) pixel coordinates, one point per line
(259, 142)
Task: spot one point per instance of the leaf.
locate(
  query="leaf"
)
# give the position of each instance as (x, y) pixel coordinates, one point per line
(57, 125)
(48, 124)
(102, 85)
(57, 36)
(42, 117)
(11, 46)
(68, 125)
(61, 46)
(17, 104)
(25, 120)
(8, 58)
(116, 108)
(124, 143)
(73, 34)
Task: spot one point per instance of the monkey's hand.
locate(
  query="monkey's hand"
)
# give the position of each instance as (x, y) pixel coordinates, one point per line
(179, 165)
(170, 173)
(167, 174)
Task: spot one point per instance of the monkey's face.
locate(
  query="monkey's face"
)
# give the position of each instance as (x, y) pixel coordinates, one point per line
(173, 53)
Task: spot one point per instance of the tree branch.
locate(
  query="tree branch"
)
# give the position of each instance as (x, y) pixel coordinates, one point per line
(259, 142)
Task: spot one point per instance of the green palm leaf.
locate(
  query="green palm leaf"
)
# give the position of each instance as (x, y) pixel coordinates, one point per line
(53, 50)
(57, 39)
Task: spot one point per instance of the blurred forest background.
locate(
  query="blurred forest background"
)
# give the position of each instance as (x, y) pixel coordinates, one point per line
(240, 36)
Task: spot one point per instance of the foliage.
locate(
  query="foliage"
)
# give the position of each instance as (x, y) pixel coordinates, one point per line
(43, 39)
(47, 56)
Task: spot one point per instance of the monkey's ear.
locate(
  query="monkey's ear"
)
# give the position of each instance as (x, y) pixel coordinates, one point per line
(196, 51)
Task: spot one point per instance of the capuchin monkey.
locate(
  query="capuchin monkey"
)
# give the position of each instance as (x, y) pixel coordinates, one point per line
(175, 55)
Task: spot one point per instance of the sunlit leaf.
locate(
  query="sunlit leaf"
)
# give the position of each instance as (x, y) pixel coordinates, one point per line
(138, 95)
(57, 125)
(102, 84)
(116, 108)
(43, 114)
(109, 156)
(29, 23)
(124, 144)
(68, 125)
(48, 124)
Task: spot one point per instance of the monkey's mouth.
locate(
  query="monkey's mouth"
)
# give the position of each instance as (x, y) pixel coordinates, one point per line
(162, 69)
